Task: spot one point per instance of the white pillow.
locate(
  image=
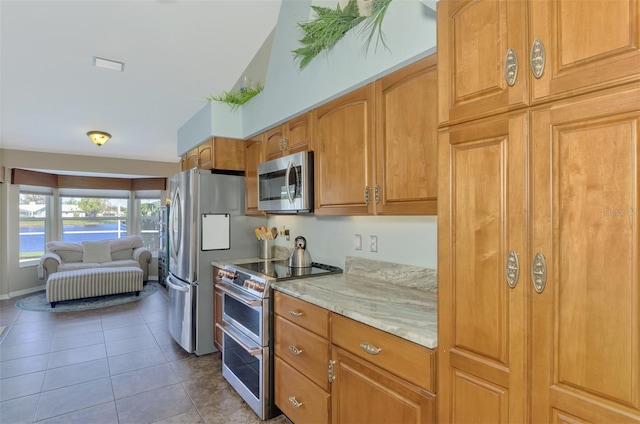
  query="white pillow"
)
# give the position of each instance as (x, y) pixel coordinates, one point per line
(96, 251)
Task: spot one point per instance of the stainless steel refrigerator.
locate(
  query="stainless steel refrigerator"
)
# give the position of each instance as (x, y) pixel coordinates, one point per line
(206, 222)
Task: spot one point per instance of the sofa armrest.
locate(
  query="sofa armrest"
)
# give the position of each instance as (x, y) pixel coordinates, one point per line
(143, 256)
(49, 263)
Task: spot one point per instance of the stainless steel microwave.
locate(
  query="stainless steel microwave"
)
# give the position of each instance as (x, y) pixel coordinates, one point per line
(285, 185)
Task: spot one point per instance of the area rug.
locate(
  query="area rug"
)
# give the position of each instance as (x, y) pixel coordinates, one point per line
(38, 302)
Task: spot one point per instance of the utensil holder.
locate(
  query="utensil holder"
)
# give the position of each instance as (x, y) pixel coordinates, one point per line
(266, 249)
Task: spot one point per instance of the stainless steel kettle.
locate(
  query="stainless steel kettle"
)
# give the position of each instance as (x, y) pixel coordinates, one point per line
(300, 256)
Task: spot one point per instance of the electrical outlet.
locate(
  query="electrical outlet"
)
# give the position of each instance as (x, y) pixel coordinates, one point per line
(357, 242)
(373, 244)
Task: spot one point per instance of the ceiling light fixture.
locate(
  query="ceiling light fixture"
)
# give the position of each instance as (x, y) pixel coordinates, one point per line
(99, 137)
(114, 65)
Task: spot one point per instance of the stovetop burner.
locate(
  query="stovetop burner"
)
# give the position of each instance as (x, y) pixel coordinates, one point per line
(280, 270)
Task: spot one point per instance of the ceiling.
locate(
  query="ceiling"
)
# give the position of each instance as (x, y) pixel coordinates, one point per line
(176, 53)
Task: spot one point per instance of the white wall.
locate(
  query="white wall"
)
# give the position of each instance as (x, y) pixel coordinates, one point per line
(410, 240)
(410, 29)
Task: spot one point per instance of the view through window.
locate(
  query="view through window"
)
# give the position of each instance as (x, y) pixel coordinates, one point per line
(93, 219)
(148, 223)
(34, 209)
(84, 215)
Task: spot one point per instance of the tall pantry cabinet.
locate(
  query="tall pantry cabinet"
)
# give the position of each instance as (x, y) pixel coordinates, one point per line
(539, 247)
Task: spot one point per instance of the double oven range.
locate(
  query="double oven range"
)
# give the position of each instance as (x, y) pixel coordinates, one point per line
(247, 357)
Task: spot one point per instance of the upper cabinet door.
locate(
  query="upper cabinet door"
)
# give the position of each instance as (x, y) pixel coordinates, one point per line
(274, 142)
(482, 58)
(587, 45)
(291, 137)
(298, 133)
(253, 157)
(344, 131)
(190, 159)
(407, 140)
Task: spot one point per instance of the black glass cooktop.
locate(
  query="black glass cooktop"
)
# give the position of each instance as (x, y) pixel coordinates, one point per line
(280, 270)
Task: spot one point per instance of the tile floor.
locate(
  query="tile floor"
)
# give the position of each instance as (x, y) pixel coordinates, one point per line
(111, 365)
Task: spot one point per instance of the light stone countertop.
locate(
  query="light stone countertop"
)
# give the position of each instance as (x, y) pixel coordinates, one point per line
(398, 299)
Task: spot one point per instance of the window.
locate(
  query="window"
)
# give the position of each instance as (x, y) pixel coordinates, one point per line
(34, 211)
(93, 218)
(148, 223)
(75, 208)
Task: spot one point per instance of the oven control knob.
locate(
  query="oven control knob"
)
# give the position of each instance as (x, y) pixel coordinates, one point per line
(254, 285)
(223, 273)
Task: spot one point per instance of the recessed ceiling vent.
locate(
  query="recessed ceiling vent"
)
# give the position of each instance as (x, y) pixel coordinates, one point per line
(114, 65)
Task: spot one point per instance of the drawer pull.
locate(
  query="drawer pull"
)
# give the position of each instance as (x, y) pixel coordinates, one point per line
(295, 402)
(294, 313)
(369, 348)
(295, 350)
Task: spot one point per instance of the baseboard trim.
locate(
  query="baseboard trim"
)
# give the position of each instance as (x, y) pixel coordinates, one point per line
(22, 292)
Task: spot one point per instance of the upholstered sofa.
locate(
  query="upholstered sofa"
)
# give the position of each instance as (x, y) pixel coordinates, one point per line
(114, 253)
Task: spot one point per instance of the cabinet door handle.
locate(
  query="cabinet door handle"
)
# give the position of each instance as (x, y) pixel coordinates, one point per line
(511, 67)
(369, 348)
(367, 195)
(295, 350)
(295, 402)
(539, 273)
(512, 268)
(295, 313)
(330, 373)
(376, 193)
(538, 58)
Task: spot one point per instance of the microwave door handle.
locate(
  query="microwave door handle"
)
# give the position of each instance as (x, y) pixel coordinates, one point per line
(286, 178)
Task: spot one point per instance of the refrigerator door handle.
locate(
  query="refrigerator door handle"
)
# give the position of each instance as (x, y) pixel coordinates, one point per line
(179, 288)
(175, 223)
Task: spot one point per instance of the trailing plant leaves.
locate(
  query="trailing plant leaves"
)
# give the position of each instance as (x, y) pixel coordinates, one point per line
(373, 24)
(237, 98)
(326, 30)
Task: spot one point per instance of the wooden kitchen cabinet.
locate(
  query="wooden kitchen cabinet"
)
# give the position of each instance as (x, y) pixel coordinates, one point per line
(291, 137)
(376, 147)
(364, 393)
(480, 338)
(554, 48)
(344, 179)
(537, 289)
(585, 201)
(302, 353)
(538, 196)
(253, 157)
(379, 377)
(324, 374)
(406, 140)
(217, 309)
(216, 153)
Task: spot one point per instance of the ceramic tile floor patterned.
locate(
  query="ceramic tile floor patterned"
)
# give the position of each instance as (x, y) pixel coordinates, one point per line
(111, 365)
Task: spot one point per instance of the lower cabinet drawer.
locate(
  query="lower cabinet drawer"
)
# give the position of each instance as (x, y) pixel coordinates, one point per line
(298, 398)
(405, 359)
(303, 350)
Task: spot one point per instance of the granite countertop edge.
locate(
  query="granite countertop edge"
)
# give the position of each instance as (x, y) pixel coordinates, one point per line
(417, 321)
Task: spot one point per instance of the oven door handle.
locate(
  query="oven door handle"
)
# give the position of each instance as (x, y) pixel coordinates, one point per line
(227, 330)
(238, 296)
